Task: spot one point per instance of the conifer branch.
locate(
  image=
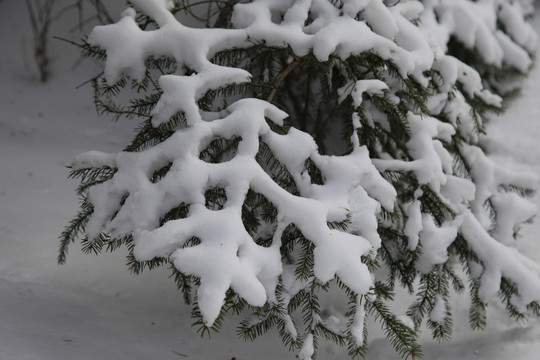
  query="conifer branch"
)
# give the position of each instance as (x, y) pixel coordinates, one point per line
(294, 189)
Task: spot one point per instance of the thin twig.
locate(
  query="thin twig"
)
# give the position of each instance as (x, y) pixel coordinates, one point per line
(89, 80)
(40, 20)
(282, 76)
(67, 40)
(82, 22)
(102, 11)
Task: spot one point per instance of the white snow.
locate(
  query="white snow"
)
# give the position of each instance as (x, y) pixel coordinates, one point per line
(358, 323)
(92, 308)
(435, 241)
(406, 320)
(307, 350)
(414, 224)
(438, 313)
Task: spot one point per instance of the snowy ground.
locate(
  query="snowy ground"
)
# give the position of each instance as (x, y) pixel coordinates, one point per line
(92, 308)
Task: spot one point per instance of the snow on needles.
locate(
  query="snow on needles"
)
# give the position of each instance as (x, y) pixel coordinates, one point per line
(227, 256)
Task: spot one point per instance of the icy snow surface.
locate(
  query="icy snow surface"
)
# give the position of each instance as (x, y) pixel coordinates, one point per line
(92, 308)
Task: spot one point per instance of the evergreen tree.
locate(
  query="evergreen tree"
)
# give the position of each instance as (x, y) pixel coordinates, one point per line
(289, 150)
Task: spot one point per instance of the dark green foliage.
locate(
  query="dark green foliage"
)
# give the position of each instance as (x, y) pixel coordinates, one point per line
(523, 192)
(279, 173)
(477, 310)
(398, 258)
(220, 150)
(215, 198)
(74, 229)
(432, 204)
(184, 283)
(265, 318)
(356, 351)
(505, 293)
(433, 287)
(90, 177)
(403, 338)
(259, 217)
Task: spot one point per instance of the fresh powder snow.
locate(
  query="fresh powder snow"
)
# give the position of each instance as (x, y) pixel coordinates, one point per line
(92, 308)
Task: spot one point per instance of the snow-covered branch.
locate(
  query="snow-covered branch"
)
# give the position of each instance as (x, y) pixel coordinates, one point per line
(271, 216)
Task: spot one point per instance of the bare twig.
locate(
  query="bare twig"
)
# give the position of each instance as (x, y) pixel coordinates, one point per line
(67, 40)
(283, 75)
(101, 13)
(89, 80)
(40, 14)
